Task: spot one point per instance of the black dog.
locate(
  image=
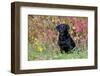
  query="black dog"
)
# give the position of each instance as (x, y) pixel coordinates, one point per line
(65, 41)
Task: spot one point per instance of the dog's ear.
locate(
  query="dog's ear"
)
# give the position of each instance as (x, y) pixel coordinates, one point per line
(67, 26)
(57, 27)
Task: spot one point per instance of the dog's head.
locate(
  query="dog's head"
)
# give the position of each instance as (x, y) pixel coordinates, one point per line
(61, 28)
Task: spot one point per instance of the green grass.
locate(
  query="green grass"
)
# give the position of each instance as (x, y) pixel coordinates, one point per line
(52, 55)
(73, 55)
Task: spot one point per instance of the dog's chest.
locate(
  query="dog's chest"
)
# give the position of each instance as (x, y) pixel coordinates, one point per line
(64, 37)
(64, 40)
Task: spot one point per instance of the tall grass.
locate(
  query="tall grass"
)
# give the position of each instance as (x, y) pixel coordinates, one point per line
(49, 54)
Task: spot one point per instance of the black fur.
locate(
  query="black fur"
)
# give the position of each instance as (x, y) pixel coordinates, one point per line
(65, 41)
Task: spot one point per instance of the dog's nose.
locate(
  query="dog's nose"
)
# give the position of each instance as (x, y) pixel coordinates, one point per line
(61, 31)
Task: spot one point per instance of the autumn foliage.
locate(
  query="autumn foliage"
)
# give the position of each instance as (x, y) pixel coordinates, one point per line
(42, 35)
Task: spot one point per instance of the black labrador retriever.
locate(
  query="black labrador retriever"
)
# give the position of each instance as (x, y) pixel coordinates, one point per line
(65, 41)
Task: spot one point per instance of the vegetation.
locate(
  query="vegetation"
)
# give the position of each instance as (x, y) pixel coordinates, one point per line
(42, 37)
